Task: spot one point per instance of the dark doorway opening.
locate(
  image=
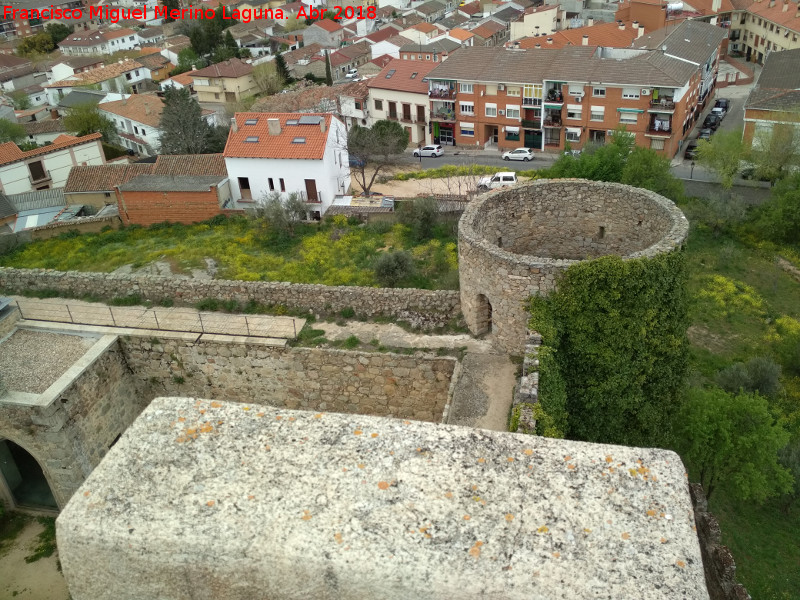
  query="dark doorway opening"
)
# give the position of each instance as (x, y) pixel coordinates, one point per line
(24, 477)
(484, 315)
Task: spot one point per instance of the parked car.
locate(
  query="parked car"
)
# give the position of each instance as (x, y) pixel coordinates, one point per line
(712, 122)
(705, 134)
(432, 151)
(352, 74)
(525, 154)
(722, 103)
(691, 151)
(356, 162)
(498, 180)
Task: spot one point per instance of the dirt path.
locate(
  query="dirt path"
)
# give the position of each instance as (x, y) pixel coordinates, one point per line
(40, 580)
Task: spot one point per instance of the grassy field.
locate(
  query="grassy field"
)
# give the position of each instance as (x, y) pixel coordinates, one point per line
(333, 252)
(739, 296)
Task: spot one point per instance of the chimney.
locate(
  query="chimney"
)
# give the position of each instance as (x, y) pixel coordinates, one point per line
(621, 25)
(549, 40)
(194, 68)
(771, 3)
(635, 24)
(716, 5)
(585, 40)
(234, 125)
(785, 6)
(538, 46)
(590, 22)
(274, 126)
(146, 108)
(641, 31)
(53, 113)
(322, 125)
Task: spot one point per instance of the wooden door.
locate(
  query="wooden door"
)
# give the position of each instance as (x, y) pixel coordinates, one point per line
(311, 190)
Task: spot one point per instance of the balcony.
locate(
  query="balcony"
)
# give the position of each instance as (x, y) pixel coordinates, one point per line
(659, 129)
(553, 122)
(407, 119)
(442, 94)
(530, 124)
(443, 115)
(662, 105)
(39, 176)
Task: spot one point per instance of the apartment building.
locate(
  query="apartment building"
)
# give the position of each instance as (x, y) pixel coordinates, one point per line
(774, 102)
(97, 42)
(766, 26)
(544, 99)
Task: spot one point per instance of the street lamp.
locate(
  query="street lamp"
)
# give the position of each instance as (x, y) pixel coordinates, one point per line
(691, 173)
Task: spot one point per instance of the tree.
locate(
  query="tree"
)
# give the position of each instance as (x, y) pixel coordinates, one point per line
(280, 66)
(267, 78)
(647, 169)
(328, 74)
(280, 216)
(779, 219)
(185, 131)
(732, 442)
(171, 5)
(58, 31)
(722, 154)
(11, 132)
(775, 152)
(373, 149)
(20, 99)
(187, 61)
(392, 267)
(40, 43)
(84, 119)
(600, 163)
(420, 216)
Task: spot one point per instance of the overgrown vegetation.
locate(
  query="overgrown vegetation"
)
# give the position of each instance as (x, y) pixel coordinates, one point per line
(336, 251)
(45, 541)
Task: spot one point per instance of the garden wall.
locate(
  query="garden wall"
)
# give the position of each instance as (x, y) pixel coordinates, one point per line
(297, 378)
(421, 308)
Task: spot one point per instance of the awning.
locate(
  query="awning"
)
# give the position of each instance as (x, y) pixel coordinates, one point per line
(512, 129)
(574, 130)
(634, 110)
(558, 106)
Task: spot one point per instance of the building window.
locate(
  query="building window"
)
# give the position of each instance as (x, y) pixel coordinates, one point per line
(532, 95)
(271, 184)
(465, 88)
(358, 105)
(467, 108)
(144, 132)
(573, 135)
(597, 113)
(378, 104)
(512, 90)
(512, 134)
(128, 76)
(599, 92)
(467, 129)
(574, 111)
(628, 118)
(283, 184)
(656, 144)
(135, 130)
(630, 93)
(491, 110)
(512, 112)
(427, 57)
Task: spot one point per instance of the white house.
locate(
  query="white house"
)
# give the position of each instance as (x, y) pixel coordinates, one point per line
(46, 167)
(137, 120)
(116, 77)
(69, 66)
(541, 20)
(285, 153)
(98, 41)
(400, 93)
(390, 46)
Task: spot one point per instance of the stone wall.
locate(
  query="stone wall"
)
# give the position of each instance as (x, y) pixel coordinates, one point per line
(297, 378)
(718, 563)
(562, 221)
(69, 430)
(526, 394)
(422, 308)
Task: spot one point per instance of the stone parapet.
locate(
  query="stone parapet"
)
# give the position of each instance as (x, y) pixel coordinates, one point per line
(421, 308)
(526, 394)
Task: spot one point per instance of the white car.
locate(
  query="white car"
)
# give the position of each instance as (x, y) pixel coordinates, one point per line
(352, 74)
(525, 154)
(432, 151)
(498, 180)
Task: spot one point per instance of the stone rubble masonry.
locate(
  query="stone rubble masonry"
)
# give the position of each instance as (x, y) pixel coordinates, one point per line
(527, 391)
(720, 568)
(315, 379)
(423, 308)
(68, 429)
(563, 221)
(281, 504)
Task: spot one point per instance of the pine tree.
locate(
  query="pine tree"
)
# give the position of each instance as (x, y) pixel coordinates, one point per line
(184, 129)
(328, 75)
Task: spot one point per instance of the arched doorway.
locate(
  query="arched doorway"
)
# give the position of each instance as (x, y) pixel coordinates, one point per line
(484, 315)
(24, 477)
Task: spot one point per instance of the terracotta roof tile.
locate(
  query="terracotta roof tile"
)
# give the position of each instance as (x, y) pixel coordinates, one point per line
(94, 37)
(285, 145)
(776, 14)
(97, 75)
(185, 79)
(233, 68)
(382, 34)
(327, 25)
(10, 152)
(424, 27)
(460, 34)
(608, 35)
(44, 126)
(408, 76)
(190, 164)
(153, 61)
(103, 178)
(472, 8)
(143, 108)
(304, 53)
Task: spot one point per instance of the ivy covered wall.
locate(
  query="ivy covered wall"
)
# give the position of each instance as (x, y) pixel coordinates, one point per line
(616, 331)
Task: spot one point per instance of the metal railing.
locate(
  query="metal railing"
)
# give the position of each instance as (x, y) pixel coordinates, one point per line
(159, 319)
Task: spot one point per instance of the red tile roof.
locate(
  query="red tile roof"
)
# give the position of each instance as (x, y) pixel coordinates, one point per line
(10, 152)
(233, 68)
(382, 34)
(284, 145)
(608, 35)
(460, 34)
(472, 8)
(408, 76)
(328, 25)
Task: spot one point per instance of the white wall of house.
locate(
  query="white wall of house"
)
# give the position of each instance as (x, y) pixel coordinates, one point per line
(126, 42)
(418, 130)
(150, 135)
(384, 47)
(16, 177)
(43, 138)
(545, 19)
(354, 115)
(331, 174)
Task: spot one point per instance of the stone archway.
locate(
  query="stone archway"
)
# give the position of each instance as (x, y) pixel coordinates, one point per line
(483, 315)
(23, 478)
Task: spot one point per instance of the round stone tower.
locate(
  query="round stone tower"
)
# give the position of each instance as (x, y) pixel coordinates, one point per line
(513, 242)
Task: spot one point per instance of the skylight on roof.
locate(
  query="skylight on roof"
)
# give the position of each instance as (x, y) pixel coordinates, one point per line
(252, 139)
(390, 73)
(251, 121)
(299, 140)
(310, 120)
(291, 122)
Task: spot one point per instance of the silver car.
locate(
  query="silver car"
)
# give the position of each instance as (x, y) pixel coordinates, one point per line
(525, 154)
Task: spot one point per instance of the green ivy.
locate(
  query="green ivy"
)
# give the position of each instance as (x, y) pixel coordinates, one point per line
(614, 349)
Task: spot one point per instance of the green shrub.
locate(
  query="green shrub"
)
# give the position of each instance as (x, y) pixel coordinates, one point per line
(132, 300)
(391, 268)
(759, 374)
(230, 306)
(347, 312)
(351, 342)
(208, 304)
(46, 540)
(166, 302)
